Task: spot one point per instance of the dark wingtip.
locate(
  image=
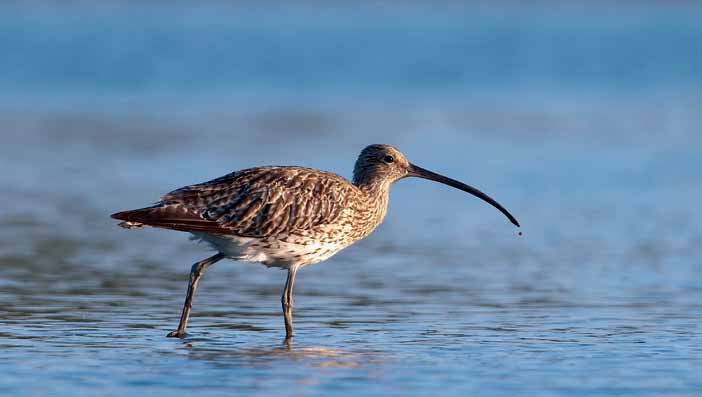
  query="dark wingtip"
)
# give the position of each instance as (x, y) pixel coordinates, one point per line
(132, 219)
(132, 215)
(122, 215)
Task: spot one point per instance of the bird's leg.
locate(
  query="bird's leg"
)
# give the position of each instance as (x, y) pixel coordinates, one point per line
(195, 274)
(287, 301)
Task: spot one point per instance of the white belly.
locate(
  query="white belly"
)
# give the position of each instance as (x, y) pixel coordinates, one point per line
(271, 252)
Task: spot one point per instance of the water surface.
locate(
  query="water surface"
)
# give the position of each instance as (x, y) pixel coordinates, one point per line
(584, 121)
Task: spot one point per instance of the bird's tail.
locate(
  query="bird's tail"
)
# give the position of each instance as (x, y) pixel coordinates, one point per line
(134, 219)
(168, 217)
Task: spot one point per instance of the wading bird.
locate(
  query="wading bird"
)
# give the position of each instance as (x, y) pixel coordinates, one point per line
(286, 217)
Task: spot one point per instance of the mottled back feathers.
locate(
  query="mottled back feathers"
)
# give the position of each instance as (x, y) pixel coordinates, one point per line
(255, 202)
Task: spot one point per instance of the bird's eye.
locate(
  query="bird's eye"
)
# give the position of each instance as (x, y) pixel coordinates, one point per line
(388, 159)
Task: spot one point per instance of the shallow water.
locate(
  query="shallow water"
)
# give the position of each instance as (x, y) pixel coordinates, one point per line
(598, 156)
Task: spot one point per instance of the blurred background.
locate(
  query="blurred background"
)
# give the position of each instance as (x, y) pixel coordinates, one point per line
(583, 118)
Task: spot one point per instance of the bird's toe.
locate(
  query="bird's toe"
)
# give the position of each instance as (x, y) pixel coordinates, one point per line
(176, 334)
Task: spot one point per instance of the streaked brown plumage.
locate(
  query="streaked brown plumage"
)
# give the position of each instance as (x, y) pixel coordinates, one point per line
(286, 217)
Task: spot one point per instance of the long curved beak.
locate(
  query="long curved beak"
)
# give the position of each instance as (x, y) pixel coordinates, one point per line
(420, 172)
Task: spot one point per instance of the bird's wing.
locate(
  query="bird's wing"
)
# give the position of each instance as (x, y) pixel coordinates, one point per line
(257, 202)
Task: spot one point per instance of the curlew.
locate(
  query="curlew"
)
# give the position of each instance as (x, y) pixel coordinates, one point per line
(286, 217)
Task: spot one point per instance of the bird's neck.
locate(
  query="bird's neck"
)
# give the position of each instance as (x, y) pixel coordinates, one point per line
(377, 192)
(374, 185)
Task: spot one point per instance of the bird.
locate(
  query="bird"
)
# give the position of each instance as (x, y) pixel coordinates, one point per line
(284, 217)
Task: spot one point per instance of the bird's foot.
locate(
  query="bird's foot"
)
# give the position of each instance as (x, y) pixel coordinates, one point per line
(176, 334)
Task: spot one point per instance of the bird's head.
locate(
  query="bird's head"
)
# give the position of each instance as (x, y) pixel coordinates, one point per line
(380, 165)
